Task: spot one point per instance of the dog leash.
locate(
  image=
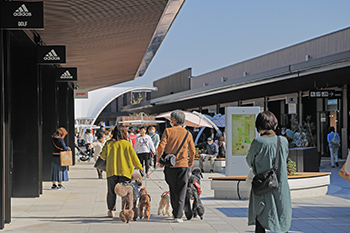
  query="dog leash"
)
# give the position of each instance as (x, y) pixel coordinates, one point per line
(149, 177)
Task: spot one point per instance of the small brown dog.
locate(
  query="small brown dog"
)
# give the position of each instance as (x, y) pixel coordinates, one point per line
(126, 193)
(144, 202)
(164, 204)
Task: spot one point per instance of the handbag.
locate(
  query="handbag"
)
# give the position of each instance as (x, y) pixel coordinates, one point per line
(100, 164)
(170, 159)
(66, 158)
(267, 181)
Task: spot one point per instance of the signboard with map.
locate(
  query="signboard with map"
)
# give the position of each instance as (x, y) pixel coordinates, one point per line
(243, 133)
(240, 132)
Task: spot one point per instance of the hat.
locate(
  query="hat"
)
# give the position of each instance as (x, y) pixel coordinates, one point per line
(209, 139)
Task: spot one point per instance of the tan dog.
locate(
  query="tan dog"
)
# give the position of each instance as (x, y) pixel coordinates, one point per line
(164, 204)
(144, 202)
(126, 192)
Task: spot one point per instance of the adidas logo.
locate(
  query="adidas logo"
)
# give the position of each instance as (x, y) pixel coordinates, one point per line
(22, 11)
(66, 75)
(52, 55)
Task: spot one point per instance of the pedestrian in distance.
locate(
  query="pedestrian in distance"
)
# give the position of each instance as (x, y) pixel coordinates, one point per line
(155, 139)
(334, 144)
(98, 145)
(272, 210)
(120, 160)
(58, 173)
(144, 148)
(89, 139)
(212, 150)
(177, 176)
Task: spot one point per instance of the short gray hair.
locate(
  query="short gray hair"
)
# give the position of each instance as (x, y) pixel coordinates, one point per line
(178, 116)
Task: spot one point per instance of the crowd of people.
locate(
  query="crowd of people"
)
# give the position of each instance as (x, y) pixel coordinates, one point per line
(141, 148)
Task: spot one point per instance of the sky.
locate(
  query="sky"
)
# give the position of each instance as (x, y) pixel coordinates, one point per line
(210, 34)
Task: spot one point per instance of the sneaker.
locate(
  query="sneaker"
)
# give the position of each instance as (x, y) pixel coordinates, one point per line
(54, 186)
(110, 214)
(178, 220)
(147, 176)
(337, 164)
(60, 187)
(211, 170)
(333, 167)
(100, 176)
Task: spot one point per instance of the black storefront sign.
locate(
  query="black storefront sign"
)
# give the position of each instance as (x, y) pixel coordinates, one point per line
(22, 15)
(66, 74)
(325, 94)
(52, 54)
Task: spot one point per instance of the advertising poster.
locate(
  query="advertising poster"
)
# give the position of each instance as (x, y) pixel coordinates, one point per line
(243, 133)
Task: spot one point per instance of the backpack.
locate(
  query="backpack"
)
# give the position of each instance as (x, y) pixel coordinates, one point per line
(335, 141)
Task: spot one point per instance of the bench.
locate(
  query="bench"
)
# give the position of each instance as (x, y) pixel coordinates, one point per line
(302, 184)
(218, 164)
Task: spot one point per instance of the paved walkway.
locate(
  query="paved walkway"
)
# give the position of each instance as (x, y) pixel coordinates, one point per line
(82, 208)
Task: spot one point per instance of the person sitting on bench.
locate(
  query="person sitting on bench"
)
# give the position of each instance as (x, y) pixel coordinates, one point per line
(212, 151)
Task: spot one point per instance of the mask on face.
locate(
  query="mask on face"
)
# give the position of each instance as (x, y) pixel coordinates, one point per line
(152, 131)
(210, 143)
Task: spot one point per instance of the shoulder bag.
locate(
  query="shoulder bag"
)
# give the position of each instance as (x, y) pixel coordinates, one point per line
(170, 159)
(66, 157)
(267, 181)
(335, 142)
(100, 164)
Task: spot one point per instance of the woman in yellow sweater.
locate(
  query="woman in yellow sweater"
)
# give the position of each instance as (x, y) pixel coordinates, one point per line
(120, 159)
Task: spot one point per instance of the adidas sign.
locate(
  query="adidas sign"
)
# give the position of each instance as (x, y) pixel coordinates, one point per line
(22, 11)
(52, 55)
(66, 75)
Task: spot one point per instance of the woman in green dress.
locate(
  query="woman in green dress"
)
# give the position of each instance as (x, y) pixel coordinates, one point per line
(273, 210)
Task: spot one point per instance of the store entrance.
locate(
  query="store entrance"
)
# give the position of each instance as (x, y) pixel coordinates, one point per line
(327, 119)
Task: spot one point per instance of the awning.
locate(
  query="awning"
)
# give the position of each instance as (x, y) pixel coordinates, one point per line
(90, 108)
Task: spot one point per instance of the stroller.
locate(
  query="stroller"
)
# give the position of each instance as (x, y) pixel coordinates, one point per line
(83, 156)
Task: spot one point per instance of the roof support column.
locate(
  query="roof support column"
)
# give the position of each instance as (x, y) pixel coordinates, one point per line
(344, 131)
(266, 103)
(300, 106)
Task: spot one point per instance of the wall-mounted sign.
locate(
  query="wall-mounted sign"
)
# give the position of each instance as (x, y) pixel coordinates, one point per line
(66, 74)
(291, 100)
(52, 54)
(21, 15)
(325, 94)
(292, 109)
(332, 104)
(81, 94)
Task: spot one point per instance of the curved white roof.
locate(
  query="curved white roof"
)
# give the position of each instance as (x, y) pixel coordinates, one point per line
(91, 108)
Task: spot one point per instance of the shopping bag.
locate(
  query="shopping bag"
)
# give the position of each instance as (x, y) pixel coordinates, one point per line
(345, 170)
(66, 158)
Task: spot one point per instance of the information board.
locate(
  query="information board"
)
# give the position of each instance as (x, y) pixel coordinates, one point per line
(240, 132)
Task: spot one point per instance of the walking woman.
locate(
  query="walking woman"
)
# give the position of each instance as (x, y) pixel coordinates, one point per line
(144, 148)
(120, 159)
(58, 173)
(273, 210)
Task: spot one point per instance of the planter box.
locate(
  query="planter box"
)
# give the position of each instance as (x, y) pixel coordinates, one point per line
(304, 184)
(306, 158)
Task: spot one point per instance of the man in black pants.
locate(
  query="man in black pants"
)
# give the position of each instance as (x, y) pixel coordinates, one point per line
(176, 140)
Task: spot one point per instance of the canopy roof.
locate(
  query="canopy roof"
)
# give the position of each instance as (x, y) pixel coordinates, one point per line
(111, 41)
(90, 108)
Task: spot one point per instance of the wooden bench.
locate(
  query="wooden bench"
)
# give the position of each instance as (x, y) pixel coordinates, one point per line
(303, 184)
(219, 164)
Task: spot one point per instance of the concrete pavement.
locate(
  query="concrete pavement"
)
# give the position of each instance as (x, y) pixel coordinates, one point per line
(82, 208)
